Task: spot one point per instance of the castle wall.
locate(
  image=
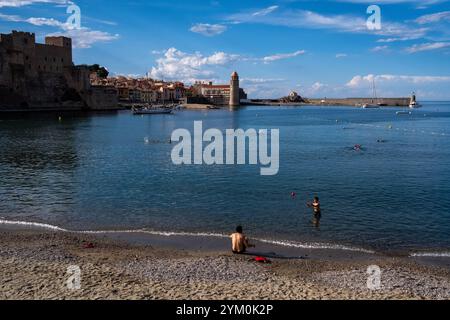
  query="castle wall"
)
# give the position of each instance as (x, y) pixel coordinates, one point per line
(37, 76)
(78, 77)
(102, 98)
(49, 58)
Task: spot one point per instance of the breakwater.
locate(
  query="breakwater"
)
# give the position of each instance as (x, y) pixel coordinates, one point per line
(356, 102)
(392, 102)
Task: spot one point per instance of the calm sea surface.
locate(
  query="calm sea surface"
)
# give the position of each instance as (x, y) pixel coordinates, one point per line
(114, 172)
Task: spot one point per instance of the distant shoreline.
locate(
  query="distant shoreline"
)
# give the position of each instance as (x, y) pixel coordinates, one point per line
(348, 102)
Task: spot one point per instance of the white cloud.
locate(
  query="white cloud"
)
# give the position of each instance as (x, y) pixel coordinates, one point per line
(81, 38)
(208, 30)
(317, 86)
(22, 3)
(434, 17)
(380, 49)
(397, 39)
(178, 65)
(427, 47)
(365, 81)
(339, 23)
(35, 21)
(47, 22)
(282, 56)
(10, 18)
(265, 12)
(84, 38)
(314, 90)
(189, 67)
(341, 55)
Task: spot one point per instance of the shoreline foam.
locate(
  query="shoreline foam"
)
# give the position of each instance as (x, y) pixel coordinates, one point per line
(281, 243)
(169, 234)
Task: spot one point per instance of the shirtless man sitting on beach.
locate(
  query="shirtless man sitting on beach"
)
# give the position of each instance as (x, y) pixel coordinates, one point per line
(239, 242)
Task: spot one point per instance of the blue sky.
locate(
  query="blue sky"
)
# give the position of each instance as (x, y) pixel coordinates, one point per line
(317, 48)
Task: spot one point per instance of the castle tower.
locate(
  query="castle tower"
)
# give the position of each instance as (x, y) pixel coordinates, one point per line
(234, 90)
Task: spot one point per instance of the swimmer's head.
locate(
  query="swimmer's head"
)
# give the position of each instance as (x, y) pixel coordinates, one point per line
(316, 199)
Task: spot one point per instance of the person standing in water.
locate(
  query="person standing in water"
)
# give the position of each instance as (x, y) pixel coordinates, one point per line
(315, 205)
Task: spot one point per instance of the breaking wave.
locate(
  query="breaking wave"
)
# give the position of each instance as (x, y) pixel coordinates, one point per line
(35, 225)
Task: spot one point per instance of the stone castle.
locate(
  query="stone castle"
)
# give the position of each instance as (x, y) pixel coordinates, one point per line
(36, 76)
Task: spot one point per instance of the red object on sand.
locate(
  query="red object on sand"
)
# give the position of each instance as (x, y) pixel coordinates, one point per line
(89, 245)
(262, 260)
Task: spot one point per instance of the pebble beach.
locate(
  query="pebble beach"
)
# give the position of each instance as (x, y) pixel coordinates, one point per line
(35, 265)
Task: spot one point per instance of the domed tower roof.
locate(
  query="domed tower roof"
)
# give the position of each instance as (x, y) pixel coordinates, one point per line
(234, 75)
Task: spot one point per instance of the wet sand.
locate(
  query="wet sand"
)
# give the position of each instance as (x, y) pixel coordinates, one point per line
(135, 266)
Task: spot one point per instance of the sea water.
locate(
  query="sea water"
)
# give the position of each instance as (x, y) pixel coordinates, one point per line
(113, 171)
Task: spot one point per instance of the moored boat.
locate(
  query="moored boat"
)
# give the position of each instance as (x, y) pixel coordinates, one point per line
(371, 106)
(151, 110)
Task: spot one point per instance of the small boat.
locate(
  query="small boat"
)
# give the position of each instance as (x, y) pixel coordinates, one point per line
(370, 106)
(152, 110)
(404, 113)
(373, 105)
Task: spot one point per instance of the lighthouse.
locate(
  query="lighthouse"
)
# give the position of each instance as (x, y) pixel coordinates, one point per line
(234, 90)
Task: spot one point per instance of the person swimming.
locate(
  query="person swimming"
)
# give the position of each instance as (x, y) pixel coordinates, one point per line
(239, 242)
(315, 205)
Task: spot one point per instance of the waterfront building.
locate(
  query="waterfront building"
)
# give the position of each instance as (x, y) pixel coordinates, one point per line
(143, 90)
(219, 94)
(123, 93)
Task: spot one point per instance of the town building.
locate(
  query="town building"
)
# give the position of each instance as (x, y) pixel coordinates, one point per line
(219, 94)
(143, 90)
